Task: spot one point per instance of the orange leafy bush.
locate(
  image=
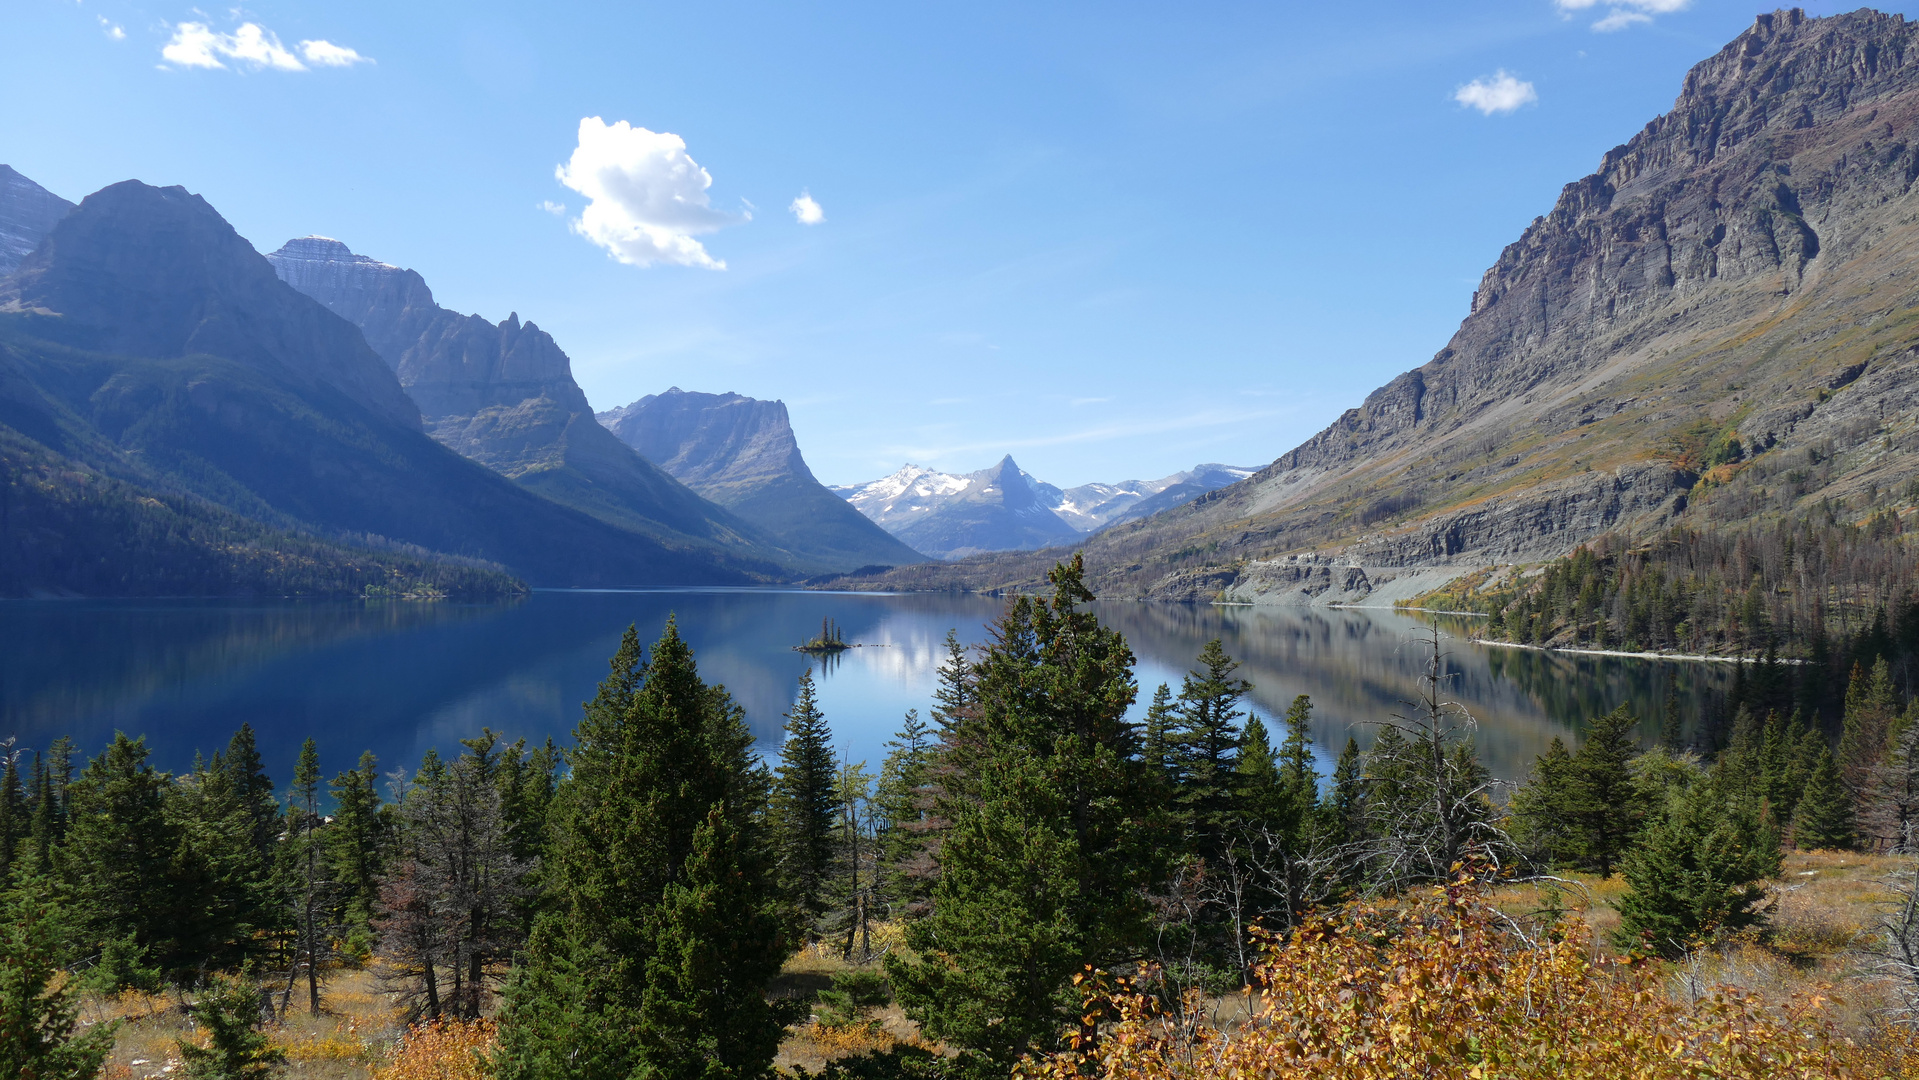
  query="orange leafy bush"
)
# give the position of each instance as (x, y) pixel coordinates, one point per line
(441, 1050)
(1444, 986)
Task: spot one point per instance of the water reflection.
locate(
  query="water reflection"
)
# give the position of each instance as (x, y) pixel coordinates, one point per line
(400, 678)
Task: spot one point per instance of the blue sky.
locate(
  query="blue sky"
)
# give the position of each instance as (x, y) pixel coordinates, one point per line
(1113, 240)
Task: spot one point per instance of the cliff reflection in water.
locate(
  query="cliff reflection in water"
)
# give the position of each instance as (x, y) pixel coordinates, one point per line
(398, 678)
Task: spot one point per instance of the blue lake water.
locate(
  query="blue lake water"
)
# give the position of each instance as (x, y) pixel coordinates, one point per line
(398, 678)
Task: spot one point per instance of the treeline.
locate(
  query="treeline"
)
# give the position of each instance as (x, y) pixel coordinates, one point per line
(68, 530)
(633, 904)
(1834, 595)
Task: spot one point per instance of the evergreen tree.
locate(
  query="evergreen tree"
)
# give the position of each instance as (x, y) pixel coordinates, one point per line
(1052, 835)
(1605, 811)
(16, 818)
(1262, 795)
(1539, 819)
(1204, 745)
(1341, 816)
(1825, 811)
(252, 792)
(218, 831)
(356, 845)
(1871, 708)
(1298, 778)
(40, 1033)
(228, 1011)
(126, 864)
(804, 805)
(51, 779)
(1671, 724)
(662, 921)
(307, 877)
(855, 869)
(1161, 718)
(902, 802)
(953, 698)
(1694, 873)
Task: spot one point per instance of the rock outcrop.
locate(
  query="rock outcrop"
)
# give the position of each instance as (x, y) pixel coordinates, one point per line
(1720, 323)
(28, 212)
(741, 453)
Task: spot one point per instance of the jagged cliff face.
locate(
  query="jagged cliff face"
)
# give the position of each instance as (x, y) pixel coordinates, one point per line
(503, 395)
(1739, 272)
(741, 453)
(28, 212)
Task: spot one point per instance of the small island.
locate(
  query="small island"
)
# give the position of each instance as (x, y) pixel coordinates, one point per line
(828, 642)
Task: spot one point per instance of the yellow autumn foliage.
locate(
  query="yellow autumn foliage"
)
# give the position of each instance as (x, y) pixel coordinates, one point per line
(441, 1050)
(1444, 986)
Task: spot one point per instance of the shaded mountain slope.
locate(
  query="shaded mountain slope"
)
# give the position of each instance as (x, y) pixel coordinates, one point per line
(503, 395)
(741, 453)
(146, 340)
(28, 213)
(1717, 324)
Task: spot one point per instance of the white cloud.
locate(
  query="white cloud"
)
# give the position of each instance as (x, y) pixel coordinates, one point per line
(646, 199)
(1621, 14)
(327, 54)
(557, 209)
(252, 46)
(1502, 93)
(114, 30)
(806, 211)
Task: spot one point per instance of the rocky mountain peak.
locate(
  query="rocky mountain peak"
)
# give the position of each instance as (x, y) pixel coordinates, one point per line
(157, 272)
(28, 213)
(705, 439)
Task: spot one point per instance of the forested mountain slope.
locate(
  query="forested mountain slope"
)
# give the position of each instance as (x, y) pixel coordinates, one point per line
(145, 341)
(1718, 325)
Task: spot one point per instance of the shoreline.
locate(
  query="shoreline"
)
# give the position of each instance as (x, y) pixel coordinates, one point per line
(1703, 657)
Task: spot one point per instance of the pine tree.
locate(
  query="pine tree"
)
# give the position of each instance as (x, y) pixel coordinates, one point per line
(51, 778)
(1825, 811)
(1671, 724)
(1340, 819)
(40, 1033)
(804, 805)
(1298, 778)
(954, 697)
(1605, 810)
(16, 818)
(1160, 721)
(902, 801)
(1052, 836)
(1539, 819)
(1262, 795)
(1694, 873)
(1204, 744)
(1871, 708)
(356, 845)
(307, 877)
(228, 1011)
(126, 864)
(218, 822)
(663, 922)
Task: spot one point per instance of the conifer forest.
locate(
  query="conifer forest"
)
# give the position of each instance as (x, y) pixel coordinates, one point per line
(1029, 883)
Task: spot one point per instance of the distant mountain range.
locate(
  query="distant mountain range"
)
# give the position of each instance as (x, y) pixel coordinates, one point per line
(28, 213)
(1005, 509)
(1717, 328)
(741, 453)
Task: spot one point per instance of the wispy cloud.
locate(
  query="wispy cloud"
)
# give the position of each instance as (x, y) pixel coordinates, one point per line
(1500, 93)
(554, 208)
(1621, 14)
(646, 198)
(251, 47)
(806, 211)
(113, 29)
(1124, 429)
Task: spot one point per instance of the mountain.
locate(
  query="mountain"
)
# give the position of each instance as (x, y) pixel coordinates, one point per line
(27, 214)
(996, 509)
(1004, 509)
(1092, 507)
(741, 454)
(1719, 325)
(503, 395)
(146, 342)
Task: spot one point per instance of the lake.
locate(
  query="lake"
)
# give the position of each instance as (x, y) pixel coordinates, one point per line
(398, 678)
